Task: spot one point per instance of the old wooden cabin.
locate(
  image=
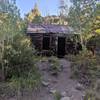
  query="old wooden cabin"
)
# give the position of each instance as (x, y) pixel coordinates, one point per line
(50, 39)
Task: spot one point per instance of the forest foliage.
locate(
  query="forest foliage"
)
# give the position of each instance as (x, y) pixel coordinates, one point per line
(17, 59)
(84, 17)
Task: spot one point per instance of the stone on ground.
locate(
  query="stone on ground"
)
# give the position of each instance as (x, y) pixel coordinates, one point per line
(65, 98)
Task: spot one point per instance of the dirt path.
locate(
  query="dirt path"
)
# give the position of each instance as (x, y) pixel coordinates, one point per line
(62, 84)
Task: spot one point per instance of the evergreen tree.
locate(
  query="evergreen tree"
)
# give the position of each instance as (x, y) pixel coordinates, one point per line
(34, 15)
(37, 19)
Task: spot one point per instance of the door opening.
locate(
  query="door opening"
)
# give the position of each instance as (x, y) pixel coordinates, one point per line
(61, 46)
(46, 43)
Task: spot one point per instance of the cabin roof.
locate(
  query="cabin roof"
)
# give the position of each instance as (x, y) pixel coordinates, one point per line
(49, 28)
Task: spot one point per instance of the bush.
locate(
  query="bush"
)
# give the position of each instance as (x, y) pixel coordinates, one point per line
(54, 65)
(19, 68)
(57, 96)
(83, 54)
(94, 42)
(32, 81)
(94, 92)
(18, 57)
(86, 67)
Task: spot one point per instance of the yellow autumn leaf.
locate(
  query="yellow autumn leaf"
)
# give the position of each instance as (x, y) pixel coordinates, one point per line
(98, 31)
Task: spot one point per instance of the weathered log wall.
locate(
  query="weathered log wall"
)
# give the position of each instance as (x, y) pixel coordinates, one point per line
(37, 40)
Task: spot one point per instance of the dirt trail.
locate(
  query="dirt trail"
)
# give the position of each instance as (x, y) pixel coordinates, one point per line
(62, 84)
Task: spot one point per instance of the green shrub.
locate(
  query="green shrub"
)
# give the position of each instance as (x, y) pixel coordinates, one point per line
(83, 54)
(70, 57)
(19, 65)
(94, 92)
(94, 42)
(18, 57)
(86, 68)
(54, 65)
(57, 96)
(32, 81)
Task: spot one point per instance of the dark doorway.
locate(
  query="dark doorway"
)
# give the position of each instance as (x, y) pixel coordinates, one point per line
(61, 46)
(46, 43)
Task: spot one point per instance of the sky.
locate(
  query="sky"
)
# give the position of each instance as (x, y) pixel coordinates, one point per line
(46, 7)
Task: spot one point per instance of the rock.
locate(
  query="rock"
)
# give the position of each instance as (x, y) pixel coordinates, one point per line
(53, 91)
(65, 98)
(61, 67)
(49, 80)
(83, 96)
(54, 81)
(44, 83)
(54, 73)
(69, 93)
(50, 67)
(79, 87)
(63, 94)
